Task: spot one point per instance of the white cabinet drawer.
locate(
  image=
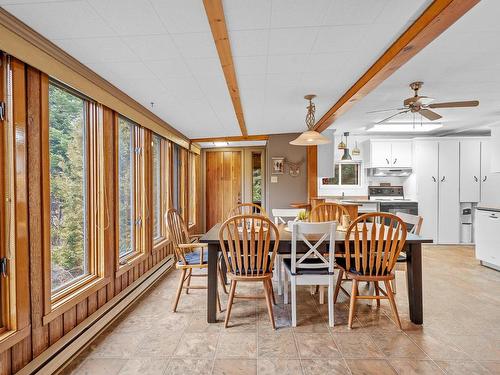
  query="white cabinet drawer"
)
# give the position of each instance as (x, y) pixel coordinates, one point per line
(487, 236)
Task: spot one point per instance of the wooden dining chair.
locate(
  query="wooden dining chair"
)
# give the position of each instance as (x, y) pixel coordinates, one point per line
(245, 241)
(246, 209)
(283, 216)
(371, 257)
(328, 212)
(414, 225)
(313, 267)
(190, 254)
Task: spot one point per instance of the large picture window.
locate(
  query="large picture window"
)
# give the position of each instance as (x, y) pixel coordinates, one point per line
(345, 174)
(160, 187)
(193, 177)
(68, 145)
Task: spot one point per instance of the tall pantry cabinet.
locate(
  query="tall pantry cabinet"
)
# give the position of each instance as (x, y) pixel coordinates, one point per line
(438, 179)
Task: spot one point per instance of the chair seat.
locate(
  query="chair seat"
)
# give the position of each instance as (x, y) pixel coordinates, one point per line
(193, 258)
(341, 262)
(307, 271)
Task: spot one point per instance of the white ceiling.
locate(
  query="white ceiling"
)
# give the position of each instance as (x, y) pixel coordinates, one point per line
(461, 64)
(232, 144)
(162, 51)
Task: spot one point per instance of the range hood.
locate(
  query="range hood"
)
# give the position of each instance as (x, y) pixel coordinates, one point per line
(389, 172)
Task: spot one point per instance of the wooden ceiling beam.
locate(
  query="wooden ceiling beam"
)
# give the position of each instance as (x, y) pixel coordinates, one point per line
(232, 139)
(215, 14)
(440, 15)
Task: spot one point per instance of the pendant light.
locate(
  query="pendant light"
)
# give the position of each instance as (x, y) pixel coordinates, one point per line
(346, 155)
(310, 137)
(356, 151)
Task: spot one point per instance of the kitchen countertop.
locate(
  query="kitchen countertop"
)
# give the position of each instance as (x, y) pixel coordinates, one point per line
(488, 207)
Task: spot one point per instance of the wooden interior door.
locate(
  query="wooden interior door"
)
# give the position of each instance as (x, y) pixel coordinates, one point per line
(223, 184)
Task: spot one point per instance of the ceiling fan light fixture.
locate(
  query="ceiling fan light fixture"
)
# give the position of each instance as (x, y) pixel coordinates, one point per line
(310, 137)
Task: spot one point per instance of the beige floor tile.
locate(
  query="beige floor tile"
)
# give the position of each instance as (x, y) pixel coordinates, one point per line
(491, 366)
(198, 323)
(311, 323)
(478, 347)
(415, 367)
(357, 345)
(116, 345)
(317, 345)
(398, 345)
(322, 366)
(145, 366)
(100, 366)
(279, 344)
(198, 345)
(190, 366)
(370, 367)
(438, 347)
(237, 344)
(462, 368)
(277, 366)
(158, 344)
(235, 367)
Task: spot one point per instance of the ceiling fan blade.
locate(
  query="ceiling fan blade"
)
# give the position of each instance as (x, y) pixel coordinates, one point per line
(469, 103)
(386, 110)
(430, 115)
(388, 118)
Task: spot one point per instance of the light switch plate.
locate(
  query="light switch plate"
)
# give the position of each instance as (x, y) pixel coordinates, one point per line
(274, 179)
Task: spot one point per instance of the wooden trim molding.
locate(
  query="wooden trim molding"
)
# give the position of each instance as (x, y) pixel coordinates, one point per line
(232, 139)
(440, 15)
(215, 14)
(10, 338)
(312, 172)
(26, 44)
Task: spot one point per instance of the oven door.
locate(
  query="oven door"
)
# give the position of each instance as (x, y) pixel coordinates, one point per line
(404, 207)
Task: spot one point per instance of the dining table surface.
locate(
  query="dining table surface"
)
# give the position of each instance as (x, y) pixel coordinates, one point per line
(412, 248)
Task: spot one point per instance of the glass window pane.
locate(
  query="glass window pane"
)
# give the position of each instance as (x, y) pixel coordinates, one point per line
(257, 178)
(192, 189)
(350, 174)
(126, 187)
(68, 195)
(157, 191)
(175, 177)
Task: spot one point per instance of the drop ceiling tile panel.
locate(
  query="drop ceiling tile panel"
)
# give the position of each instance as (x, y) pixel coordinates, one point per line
(251, 82)
(292, 41)
(125, 70)
(297, 13)
(152, 47)
(283, 64)
(166, 69)
(206, 66)
(250, 65)
(329, 63)
(97, 50)
(339, 38)
(402, 12)
(186, 16)
(247, 15)
(129, 17)
(184, 88)
(57, 20)
(145, 91)
(249, 42)
(353, 12)
(195, 45)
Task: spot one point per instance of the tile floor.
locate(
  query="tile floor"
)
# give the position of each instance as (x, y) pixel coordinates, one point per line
(461, 334)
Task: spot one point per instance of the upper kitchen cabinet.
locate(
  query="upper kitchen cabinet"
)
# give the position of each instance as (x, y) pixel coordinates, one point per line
(470, 171)
(490, 181)
(390, 153)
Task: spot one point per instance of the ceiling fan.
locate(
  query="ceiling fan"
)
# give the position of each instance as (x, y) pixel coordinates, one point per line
(421, 104)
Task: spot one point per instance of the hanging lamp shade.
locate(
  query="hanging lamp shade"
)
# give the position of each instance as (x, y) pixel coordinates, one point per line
(310, 137)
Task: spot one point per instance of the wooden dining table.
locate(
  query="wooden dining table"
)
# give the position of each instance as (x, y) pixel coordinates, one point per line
(413, 249)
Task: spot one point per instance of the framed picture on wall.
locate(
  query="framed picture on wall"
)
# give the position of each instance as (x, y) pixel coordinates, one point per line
(278, 165)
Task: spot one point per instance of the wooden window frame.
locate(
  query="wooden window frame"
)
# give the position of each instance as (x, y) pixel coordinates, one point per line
(193, 177)
(141, 204)
(165, 161)
(15, 308)
(59, 301)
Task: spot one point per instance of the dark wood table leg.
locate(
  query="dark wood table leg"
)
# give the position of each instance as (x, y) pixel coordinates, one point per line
(213, 258)
(414, 279)
(223, 269)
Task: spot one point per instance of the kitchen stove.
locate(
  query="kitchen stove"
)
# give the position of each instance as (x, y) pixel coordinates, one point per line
(391, 199)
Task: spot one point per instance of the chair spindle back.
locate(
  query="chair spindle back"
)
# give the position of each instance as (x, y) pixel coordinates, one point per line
(178, 232)
(246, 209)
(328, 212)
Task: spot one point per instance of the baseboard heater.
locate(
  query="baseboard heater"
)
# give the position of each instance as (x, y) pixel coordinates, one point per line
(56, 357)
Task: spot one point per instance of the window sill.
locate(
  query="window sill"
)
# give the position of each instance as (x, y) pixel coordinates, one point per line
(160, 244)
(64, 304)
(130, 263)
(10, 338)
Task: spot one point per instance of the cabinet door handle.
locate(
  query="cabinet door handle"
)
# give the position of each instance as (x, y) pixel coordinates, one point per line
(434, 179)
(444, 177)
(395, 160)
(493, 216)
(485, 178)
(387, 160)
(475, 179)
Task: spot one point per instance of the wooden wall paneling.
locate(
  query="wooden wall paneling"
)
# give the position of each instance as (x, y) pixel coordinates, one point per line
(5, 363)
(92, 305)
(103, 296)
(82, 310)
(56, 330)
(34, 84)
(21, 354)
(69, 320)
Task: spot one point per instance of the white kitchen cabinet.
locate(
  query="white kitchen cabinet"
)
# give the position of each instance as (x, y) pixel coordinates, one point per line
(390, 153)
(470, 171)
(426, 168)
(487, 229)
(437, 169)
(490, 182)
(449, 192)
